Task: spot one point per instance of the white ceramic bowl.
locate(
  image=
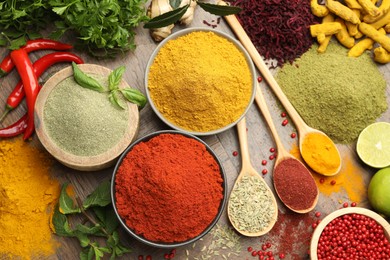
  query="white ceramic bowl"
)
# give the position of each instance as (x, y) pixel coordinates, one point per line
(82, 163)
(185, 32)
(350, 210)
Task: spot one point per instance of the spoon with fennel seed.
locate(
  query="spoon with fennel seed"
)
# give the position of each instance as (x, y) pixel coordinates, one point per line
(252, 207)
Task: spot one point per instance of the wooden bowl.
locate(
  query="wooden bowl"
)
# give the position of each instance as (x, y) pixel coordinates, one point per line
(83, 163)
(351, 210)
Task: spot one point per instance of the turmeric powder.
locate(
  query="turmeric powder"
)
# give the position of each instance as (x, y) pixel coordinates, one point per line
(374, 34)
(381, 55)
(342, 11)
(27, 193)
(200, 82)
(320, 153)
(343, 36)
(317, 9)
(363, 45)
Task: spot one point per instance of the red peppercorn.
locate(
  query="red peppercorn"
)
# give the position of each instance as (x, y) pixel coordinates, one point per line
(272, 150)
(318, 214)
(282, 256)
(166, 256)
(353, 204)
(268, 244)
(345, 205)
(333, 182)
(148, 257)
(314, 225)
(271, 157)
(264, 171)
(293, 135)
(283, 114)
(171, 255)
(254, 253)
(322, 180)
(263, 162)
(285, 122)
(259, 79)
(264, 247)
(250, 249)
(140, 257)
(235, 153)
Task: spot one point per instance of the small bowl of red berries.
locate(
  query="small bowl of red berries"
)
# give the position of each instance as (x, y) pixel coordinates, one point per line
(351, 233)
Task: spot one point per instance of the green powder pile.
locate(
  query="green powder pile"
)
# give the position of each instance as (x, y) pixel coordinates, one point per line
(332, 92)
(81, 121)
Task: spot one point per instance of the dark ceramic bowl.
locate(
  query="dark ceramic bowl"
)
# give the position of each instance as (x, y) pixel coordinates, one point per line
(164, 244)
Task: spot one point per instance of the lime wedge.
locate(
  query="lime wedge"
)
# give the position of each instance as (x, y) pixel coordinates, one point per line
(373, 145)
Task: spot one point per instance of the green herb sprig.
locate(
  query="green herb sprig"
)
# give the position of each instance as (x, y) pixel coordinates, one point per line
(173, 16)
(99, 221)
(114, 92)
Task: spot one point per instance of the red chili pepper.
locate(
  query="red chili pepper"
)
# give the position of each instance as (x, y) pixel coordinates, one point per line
(25, 68)
(15, 129)
(33, 45)
(39, 67)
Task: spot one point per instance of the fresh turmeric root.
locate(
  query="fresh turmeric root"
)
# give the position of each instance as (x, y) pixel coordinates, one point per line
(363, 45)
(343, 36)
(381, 55)
(325, 29)
(323, 39)
(375, 35)
(370, 8)
(317, 9)
(342, 11)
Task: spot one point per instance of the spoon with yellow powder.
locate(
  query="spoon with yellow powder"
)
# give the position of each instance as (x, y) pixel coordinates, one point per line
(252, 207)
(317, 149)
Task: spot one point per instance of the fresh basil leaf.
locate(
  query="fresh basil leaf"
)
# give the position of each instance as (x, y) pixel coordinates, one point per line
(175, 3)
(84, 80)
(135, 96)
(167, 18)
(67, 200)
(115, 77)
(60, 224)
(220, 10)
(115, 99)
(100, 197)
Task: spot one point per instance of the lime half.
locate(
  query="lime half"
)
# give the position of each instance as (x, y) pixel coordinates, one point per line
(373, 145)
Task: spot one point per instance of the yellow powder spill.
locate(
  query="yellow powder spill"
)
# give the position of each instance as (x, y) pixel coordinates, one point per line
(349, 179)
(27, 196)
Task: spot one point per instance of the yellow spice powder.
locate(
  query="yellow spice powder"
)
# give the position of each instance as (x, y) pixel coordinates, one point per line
(349, 179)
(200, 82)
(27, 194)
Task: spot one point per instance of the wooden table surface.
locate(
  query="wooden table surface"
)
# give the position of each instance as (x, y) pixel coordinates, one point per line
(292, 231)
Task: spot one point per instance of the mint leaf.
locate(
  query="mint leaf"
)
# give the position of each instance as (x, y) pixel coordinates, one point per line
(135, 96)
(220, 10)
(115, 78)
(121, 250)
(100, 197)
(83, 238)
(67, 200)
(88, 230)
(167, 18)
(61, 224)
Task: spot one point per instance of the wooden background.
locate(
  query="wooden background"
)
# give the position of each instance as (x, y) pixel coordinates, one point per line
(292, 231)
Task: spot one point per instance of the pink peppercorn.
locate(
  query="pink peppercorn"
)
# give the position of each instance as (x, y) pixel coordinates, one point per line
(259, 79)
(272, 150)
(333, 182)
(345, 205)
(293, 135)
(282, 256)
(263, 162)
(283, 114)
(353, 204)
(235, 153)
(271, 157)
(322, 180)
(285, 122)
(317, 214)
(264, 171)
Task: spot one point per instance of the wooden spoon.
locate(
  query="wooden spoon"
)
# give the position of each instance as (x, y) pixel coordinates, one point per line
(303, 128)
(248, 170)
(282, 154)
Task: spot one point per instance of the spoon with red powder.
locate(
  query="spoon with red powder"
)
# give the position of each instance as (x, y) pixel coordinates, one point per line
(293, 182)
(317, 149)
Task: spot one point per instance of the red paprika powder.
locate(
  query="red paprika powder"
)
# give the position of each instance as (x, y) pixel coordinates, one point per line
(294, 184)
(169, 188)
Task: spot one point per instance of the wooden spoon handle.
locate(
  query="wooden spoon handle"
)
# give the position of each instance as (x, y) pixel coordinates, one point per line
(261, 103)
(259, 62)
(243, 140)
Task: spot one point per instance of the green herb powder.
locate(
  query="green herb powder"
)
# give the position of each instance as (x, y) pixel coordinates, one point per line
(337, 94)
(251, 207)
(81, 121)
